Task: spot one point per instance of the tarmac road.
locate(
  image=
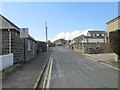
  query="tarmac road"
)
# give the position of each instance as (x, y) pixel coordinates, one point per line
(73, 70)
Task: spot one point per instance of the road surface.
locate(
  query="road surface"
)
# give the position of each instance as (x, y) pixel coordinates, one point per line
(73, 70)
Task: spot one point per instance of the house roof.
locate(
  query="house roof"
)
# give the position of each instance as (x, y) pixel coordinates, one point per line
(31, 38)
(97, 32)
(113, 20)
(12, 24)
(17, 28)
(78, 38)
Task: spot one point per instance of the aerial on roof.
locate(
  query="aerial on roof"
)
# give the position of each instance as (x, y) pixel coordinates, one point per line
(113, 20)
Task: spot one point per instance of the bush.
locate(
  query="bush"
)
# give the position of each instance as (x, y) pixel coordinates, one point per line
(114, 38)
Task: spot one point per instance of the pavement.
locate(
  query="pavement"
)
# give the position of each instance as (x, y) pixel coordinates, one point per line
(73, 70)
(108, 58)
(0, 84)
(27, 75)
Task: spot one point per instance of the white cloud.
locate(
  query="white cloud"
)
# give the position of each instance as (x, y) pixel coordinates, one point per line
(69, 35)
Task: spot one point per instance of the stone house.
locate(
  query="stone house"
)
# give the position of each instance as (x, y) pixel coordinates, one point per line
(94, 42)
(60, 42)
(67, 44)
(96, 33)
(76, 43)
(12, 43)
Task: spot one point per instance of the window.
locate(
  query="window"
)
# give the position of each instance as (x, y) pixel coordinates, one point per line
(94, 34)
(16, 33)
(97, 34)
(29, 47)
(102, 34)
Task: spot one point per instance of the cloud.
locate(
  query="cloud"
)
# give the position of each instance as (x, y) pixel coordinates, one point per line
(70, 35)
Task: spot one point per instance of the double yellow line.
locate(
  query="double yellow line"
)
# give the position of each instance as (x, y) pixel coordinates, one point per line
(46, 82)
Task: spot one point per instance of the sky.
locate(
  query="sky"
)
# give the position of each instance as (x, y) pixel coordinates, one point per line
(64, 19)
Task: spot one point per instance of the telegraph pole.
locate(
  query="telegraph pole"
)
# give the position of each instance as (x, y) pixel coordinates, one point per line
(46, 35)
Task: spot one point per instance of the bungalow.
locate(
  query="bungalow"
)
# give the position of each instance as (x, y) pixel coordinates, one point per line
(22, 49)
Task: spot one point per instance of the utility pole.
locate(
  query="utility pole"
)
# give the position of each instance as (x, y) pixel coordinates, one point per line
(46, 35)
(24, 50)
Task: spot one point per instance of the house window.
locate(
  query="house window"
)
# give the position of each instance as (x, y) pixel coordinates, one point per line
(16, 33)
(102, 34)
(94, 34)
(29, 47)
(97, 34)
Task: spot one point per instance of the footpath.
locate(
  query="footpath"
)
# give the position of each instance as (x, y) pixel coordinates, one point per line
(107, 58)
(26, 76)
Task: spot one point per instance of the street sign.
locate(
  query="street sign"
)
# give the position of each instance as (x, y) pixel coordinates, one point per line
(23, 32)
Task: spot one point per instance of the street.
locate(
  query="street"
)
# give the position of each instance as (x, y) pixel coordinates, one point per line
(73, 70)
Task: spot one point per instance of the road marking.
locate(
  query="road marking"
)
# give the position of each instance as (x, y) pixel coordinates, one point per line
(91, 59)
(49, 76)
(44, 82)
(39, 77)
(103, 63)
(109, 65)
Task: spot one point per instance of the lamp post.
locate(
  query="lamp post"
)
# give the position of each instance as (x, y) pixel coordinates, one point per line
(46, 35)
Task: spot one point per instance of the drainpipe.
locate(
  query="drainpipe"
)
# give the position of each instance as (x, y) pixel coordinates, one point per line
(9, 41)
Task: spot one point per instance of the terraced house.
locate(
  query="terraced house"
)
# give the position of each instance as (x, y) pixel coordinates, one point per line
(12, 43)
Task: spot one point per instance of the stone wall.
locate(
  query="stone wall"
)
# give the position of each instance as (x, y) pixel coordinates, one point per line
(33, 49)
(84, 47)
(103, 48)
(5, 42)
(17, 46)
(0, 41)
